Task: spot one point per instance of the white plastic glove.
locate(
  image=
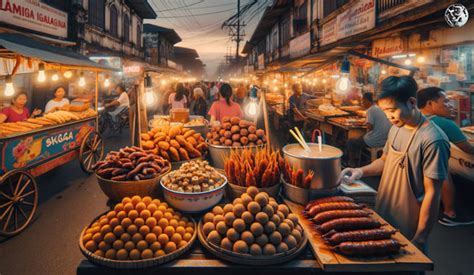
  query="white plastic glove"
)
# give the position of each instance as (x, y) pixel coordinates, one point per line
(349, 175)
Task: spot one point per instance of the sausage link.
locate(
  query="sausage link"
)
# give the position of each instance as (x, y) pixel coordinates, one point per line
(346, 224)
(325, 216)
(360, 235)
(328, 199)
(318, 208)
(379, 247)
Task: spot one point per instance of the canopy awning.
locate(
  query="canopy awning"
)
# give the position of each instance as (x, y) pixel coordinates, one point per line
(12, 44)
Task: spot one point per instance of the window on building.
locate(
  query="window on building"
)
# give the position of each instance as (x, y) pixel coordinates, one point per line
(126, 28)
(285, 31)
(139, 36)
(97, 13)
(113, 21)
(331, 5)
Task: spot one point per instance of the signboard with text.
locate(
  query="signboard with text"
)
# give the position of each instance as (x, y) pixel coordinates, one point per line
(358, 18)
(329, 32)
(300, 46)
(34, 15)
(387, 46)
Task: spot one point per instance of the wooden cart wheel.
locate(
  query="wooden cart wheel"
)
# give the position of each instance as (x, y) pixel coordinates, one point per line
(92, 150)
(18, 202)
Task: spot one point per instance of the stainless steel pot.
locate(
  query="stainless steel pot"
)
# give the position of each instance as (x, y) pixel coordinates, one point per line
(219, 153)
(326, 165)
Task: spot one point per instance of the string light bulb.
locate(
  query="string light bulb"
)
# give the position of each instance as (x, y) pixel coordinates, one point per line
(252, 106)
(55, 77)
(343, 84)
(82, 80)
(383, 72)
(67, 74)
(420, 59)
(106, 81)
(41, 73)
(9, 89)
(407, 61)
(163, 82)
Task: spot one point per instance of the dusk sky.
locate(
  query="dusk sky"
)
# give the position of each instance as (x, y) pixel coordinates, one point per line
(198, 23)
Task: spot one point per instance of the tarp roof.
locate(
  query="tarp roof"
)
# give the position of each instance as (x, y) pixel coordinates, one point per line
(17, 43)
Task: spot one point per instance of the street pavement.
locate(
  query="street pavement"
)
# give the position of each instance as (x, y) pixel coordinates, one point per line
(70, 199)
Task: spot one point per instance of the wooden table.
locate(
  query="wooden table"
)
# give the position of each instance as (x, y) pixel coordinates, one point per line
(198, 261)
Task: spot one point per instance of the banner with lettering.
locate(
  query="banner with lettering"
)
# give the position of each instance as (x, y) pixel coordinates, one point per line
(34, 15)
(387, 46)
(358, 18)
(28, 151)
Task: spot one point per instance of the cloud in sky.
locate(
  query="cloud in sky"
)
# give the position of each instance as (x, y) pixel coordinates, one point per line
(198, 23)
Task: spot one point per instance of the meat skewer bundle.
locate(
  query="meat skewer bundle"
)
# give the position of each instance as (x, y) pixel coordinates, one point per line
(349, 228)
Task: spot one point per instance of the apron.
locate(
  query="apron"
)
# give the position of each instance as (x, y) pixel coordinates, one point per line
(396, 201)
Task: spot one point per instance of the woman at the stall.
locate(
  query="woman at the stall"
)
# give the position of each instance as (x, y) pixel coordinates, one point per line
(178, 99)
(58, 101)
(413, 166)
(225, 106)
(199, 103)
(17, 111)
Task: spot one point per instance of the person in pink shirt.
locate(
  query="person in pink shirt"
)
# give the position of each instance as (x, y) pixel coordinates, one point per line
(224, 106)
(17, 111)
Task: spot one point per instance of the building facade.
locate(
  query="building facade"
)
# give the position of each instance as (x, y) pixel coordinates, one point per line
(159, 45)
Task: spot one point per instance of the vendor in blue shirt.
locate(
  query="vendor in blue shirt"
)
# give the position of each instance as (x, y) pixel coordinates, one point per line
(297, 106)
(435, 105)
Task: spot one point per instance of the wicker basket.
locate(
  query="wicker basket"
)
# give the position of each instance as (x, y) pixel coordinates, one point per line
(251, 259)
(135, 264)
(235, 191)
(116, 190)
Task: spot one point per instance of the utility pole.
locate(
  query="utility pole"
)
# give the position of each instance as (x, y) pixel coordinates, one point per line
(236, 31)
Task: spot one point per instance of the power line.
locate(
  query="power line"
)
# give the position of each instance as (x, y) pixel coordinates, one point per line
(177, 8)
(201, 14)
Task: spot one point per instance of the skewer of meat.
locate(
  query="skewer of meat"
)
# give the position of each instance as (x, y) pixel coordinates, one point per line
(367, 248)
(347, 224)
(325, 216)
(359, 235)
(318, 208)
(328, 199)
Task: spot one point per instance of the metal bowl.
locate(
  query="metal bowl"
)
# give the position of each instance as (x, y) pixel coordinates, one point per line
(219, 153)
(193, 202)
(326, 167)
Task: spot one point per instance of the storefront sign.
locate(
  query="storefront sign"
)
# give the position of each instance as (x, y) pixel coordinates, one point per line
(110, 61)
(358, 18)
(132, 69)
(27, 151)
(261, 61)
(34, 15)
(329, 32)
(300, 46)
(387, 47)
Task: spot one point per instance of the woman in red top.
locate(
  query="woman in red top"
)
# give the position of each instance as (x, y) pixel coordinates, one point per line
(224, 106)
(17, 111)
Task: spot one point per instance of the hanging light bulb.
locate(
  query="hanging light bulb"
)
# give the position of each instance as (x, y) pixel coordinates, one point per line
(343, 84)
(420, 59)
(163, 82)
(324, 81)
(82, 80)
(266, 82)
(41, 73)
(274, 80)
(9, 90)
(55, 77)
(383, 72)
(106, 81)
(286, 85)
(67, 74)
(252, 106)
(407, 61)
(275, 88)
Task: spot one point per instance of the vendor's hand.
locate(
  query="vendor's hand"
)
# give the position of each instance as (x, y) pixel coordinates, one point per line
(349, 175)
(36, 112)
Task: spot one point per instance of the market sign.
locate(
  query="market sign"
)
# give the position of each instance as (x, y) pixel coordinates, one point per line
(34, 15)
(329, 32)
(387, 47)
(358, 18)
(35, 149)
(300, 46)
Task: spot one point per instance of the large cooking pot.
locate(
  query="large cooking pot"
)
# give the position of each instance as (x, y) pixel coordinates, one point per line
(325, 164)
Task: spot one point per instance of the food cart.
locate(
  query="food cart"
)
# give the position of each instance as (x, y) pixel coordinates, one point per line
(61, 137)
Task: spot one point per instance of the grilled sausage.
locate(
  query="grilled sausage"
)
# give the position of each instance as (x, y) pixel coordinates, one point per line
(336, 214)
(346, 224)
(360, 235)
(379, 247)
(328, 199)
(318, 208)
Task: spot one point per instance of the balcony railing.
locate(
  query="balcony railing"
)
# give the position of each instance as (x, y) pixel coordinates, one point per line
(384, 5)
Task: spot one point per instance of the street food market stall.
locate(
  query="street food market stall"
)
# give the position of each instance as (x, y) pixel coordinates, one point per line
(35, 146)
